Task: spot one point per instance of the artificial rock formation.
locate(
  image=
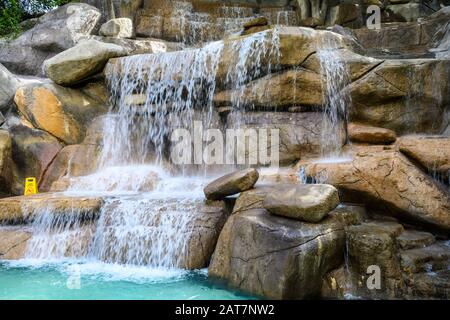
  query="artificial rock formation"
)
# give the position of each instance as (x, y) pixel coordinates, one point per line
(310, 203)
(64, 113)
(276, 257)
(432, 152)
(367, 134)
(56, 31)
(117, 28)
(388, 180)
(81, 61)
(231, 184)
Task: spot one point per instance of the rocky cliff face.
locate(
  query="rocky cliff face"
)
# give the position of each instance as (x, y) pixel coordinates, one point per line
(363, 120)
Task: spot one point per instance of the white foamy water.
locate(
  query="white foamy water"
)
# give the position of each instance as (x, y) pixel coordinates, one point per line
(337, 98)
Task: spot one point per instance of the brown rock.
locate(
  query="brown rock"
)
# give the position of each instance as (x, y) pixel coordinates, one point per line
(32, 152)
(231, 184)
(390, 182)
(19, 209)
(406, 96)
(367, 134)
(13, 243)
(433, 153)
(276, 257)
(373, 244)
(411, 239)
(6, 164)
(305, 88)
(300, 134)
(65, 113)
(310, 203)
(434, 257)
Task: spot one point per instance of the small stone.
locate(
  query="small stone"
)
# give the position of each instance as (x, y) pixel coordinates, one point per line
(231, 184)
(368, 134)
(310, 203)
(117, 28)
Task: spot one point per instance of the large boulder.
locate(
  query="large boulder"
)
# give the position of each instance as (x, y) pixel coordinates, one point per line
(160, 241)
(32, 152)
(406, 96)
(310, 203)
(231, 184)
(8, 87)
(81, 61)
(432, 152)
(65, 113)
(387, 180)
(279, 258)
(305, 88)
(410, 39)
(301, 135)
(56, 31)
(117, 28)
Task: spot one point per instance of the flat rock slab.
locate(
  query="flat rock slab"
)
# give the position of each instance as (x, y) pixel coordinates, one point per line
(310, 203)
(431, 258)
(368, 134)
(231, 184)
(411, 239)
(20, 209)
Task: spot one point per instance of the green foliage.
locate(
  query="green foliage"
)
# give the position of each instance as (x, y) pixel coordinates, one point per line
(12, 12)
(10, 17)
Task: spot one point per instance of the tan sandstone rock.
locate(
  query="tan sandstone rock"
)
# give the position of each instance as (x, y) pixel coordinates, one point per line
(310, 203)
(64, 113)
(78, 63)
(276, 257)
(20, 209)
(13, 243)
(231, 184)
(389, 181)
(367, 134)
(432, 152)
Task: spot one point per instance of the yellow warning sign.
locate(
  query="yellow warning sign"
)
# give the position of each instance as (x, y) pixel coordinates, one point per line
(30, 186)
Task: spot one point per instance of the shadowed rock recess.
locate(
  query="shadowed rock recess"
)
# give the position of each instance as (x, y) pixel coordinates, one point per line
(315, 150)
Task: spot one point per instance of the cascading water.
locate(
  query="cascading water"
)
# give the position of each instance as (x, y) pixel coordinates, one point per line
(337, 99)
(147, 218)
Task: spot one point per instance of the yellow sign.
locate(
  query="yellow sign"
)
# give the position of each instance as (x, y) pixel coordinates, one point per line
(30, 186)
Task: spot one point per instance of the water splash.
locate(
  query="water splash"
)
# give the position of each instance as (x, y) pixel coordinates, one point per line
(58, 235)
(146, 231)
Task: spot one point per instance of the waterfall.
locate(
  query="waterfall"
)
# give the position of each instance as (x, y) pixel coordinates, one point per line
(58, 236)
(148, 216)
(337, 98)
(153, 94)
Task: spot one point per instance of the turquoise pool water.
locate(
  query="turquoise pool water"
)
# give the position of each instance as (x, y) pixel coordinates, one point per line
(92, 280)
